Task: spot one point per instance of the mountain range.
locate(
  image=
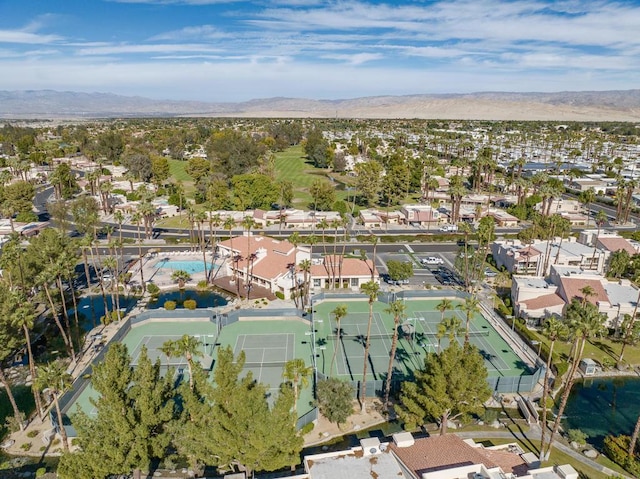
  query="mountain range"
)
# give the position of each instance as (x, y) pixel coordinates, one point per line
(615, 105)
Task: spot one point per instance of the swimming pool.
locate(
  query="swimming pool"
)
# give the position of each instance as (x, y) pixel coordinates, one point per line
(190, 266)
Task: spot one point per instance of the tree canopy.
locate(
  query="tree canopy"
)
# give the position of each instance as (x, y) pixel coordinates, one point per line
(449, 385)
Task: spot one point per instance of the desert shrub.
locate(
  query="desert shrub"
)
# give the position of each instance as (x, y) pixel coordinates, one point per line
(190, 304)
(33, 433)
(576, 435)
(279, 295)
(307, 428)
(41, 471)
(26, 446)
(202, 285)
(170, 305)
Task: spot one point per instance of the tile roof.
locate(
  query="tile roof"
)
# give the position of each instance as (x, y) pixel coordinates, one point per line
(443, 452)
(616, 243)
(572, 286)
(350, 267)
(544, 301)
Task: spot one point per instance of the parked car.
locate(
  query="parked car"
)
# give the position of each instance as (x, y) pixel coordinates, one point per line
(449, 228)
(432, 260)
(489, 273)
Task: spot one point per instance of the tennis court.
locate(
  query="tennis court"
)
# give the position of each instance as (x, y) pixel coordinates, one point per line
(153, 334)
(266, 355)
(343, 356)
(268, 344)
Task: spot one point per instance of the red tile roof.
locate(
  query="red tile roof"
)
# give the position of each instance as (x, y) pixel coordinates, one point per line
(351, 267)
(571, 288)
(615, 244)
(544, 301)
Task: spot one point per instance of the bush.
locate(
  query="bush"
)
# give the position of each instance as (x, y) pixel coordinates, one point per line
(170, 305)
(26, 446)
(307, 428)
(615, 447)
(33, 433)
(41, 471)
(189, 304)
(279, 295)
(202, 285)
(153, 289)
(576, 435)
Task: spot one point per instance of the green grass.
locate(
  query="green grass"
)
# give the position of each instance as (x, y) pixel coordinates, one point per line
(177, 169)
(291, 164)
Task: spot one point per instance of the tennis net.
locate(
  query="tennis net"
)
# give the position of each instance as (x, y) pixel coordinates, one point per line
(359, 336)
(273, 364)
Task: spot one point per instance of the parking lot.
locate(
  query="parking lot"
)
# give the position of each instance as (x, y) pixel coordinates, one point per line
(437, 273)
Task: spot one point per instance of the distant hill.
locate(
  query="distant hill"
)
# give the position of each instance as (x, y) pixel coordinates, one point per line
(623, 105)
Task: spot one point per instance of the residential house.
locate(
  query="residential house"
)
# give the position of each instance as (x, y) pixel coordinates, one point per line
(538, 257)
(421, 215)
(502, 218)
(535, 297)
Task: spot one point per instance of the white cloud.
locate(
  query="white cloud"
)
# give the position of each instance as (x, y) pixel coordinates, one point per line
(145, 48)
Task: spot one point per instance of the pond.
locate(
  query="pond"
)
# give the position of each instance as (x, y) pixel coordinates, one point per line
(603, 406)
(92, 308)
(203, 299)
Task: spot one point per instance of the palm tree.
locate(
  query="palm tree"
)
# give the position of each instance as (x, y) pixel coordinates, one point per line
(445, 305)
(601, 218)
(24, 317)
(338, 312)
(470, 307)
(55, 377)
(214, 224)
(111, 264)
(585, 321)
(371, 289)
(201, 217)
(119, 217)
(297, 373)
(634, 439)
(305, 267)
(553, 329)
(450, 326)
(398, 309)
(181, 277)
(586, 198)
(587, 293)
(137, 219)
(228, 224)
(187, 347)
(248, 222)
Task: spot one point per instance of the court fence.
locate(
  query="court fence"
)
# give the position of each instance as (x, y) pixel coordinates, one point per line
(84, 378)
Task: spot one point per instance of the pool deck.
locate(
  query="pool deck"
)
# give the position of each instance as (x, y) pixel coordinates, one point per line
(162, 276)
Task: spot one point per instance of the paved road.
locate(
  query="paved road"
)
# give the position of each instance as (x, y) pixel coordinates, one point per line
(534, 434)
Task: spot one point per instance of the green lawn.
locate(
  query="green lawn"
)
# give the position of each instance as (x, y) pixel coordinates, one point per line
(291, 165)
(178, 171)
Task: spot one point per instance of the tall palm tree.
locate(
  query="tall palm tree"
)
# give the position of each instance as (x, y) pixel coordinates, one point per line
(586, 198)
(634, 439)
(24, 317)
(228, 224)
(338, 312)
(201, 217)
(305, 267)
(137, 219)
(248, 222)
(398, 309)
(470, 307)
(451, 326)
(55, 377)
(585, 321)
(187, 347)
(119, 217)
(214, 224)
(553, 329)
(111, 263)
(371, 289)
(297, 373)
(445, 305)
(601, 218)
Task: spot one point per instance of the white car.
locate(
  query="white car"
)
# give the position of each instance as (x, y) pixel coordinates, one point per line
(449, 228)
(432, 260)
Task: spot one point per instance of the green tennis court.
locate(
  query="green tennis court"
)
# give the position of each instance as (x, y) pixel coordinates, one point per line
(343, 356)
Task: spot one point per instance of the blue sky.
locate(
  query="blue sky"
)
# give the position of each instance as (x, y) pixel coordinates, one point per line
(233, 50)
